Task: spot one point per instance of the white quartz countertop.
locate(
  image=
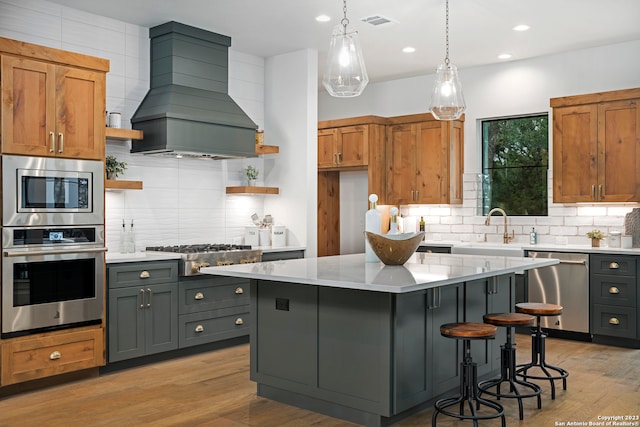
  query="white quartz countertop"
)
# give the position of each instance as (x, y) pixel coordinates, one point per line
(422, 271)
(542, 247)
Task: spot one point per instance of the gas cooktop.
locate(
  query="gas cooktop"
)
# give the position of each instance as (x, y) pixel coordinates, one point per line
(197, 256)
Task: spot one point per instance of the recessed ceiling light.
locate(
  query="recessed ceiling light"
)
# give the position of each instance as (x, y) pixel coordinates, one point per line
(504, 56)
(409, 49)
(521, 27)
(323, 18)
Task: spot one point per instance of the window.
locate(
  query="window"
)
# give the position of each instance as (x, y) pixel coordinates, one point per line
(515, 159)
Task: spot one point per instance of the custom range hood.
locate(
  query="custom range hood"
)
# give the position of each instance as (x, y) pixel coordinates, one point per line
(187, 110)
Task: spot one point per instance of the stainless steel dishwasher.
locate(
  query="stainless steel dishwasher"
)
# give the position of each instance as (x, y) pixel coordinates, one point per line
(565, 284)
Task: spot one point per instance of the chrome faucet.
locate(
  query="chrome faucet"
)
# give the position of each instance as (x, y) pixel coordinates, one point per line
(506, 238)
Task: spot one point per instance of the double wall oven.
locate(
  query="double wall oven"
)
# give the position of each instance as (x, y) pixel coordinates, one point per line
(52, 243)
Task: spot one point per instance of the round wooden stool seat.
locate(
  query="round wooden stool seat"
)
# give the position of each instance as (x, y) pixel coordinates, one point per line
(539, 308)
(468, 330)
(508, 319)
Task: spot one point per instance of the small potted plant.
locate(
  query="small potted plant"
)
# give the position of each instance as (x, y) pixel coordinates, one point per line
(113, 167)
(252, 175)
(595, 236)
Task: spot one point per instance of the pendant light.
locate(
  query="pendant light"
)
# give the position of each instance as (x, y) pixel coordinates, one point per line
(447, 100)
(345, 74)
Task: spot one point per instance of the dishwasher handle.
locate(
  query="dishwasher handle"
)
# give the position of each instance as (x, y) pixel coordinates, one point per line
(566, 261)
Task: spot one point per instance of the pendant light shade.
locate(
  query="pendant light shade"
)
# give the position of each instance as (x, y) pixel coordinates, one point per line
(447, 100)
(345, 74)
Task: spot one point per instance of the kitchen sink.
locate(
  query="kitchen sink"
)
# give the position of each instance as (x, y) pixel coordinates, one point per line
(488, 249)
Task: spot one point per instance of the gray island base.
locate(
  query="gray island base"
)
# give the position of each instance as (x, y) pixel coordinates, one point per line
(361, 341)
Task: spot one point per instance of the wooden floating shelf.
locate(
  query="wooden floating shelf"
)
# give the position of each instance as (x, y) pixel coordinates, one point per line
(253, 190)
(267, 149)
(121, 184)
(123, 134)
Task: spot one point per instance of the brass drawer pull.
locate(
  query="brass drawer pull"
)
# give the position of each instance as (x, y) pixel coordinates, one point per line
(614, 290)
(52, 138)
(614, 321)
(141, 298)
(145, 275)
(239, 321)
(614, 266)
(199, 328)
(199, 296)
(55, 355)
(239, 291)
(61, 139)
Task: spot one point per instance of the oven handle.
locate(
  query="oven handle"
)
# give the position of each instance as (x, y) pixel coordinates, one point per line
(57, 252)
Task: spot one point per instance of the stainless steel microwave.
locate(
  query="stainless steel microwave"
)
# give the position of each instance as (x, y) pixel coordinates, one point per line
(38, 191)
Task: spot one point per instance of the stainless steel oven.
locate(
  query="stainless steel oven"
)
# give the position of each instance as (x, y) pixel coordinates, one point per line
(52, 277)
(40, 191)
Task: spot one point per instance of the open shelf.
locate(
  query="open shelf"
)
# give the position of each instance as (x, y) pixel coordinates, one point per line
(123, 134)
(253, 190)
(122, 184)
(267, 149)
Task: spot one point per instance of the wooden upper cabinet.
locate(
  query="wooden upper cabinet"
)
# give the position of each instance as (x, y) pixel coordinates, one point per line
(53, 102)
(424, 162)
(596, 147)
(343, 147)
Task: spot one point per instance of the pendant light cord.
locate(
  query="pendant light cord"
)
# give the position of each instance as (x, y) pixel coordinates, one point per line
(344, 22)
(446, 58)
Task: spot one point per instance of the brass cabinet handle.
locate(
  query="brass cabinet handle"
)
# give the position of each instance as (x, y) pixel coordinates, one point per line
(61, 139)
(55, 355)
(239, 321)
(149, 302)
(339, 158)
(614, 290)
(145, 274)
(614, 321)
(239, 291)
(614, 266)
(141, 298)
(335, 158)
(593, 192)
(600, 193)
(199, 328)
(198, 296)
(52, 139)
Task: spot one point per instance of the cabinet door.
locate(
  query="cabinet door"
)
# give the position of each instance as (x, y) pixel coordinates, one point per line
(28, 106)
(353, 146)
(161, 318)
(126, 323)
(327, 147)
(401, 172)
(80, 113)
(432, 167)
(618, 151)
(575, 153)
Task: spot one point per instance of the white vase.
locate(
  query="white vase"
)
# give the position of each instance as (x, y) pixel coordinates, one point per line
(252, 182)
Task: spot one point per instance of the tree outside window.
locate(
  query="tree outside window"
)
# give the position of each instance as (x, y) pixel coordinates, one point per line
(515, 160)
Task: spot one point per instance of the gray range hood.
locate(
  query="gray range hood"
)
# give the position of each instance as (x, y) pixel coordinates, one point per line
(187, 110)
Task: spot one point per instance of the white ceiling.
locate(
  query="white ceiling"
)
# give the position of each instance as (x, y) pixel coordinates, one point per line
(480, 30)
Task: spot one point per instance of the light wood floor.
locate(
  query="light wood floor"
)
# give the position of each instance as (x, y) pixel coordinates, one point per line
(214, 389)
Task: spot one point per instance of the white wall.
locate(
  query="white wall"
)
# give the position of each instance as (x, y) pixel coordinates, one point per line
(510, 88)
(184, 201)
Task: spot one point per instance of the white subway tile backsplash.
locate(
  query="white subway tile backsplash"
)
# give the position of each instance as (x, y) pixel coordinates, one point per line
(592, 210)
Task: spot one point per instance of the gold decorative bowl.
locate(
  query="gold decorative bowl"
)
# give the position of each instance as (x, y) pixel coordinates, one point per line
(394, 249)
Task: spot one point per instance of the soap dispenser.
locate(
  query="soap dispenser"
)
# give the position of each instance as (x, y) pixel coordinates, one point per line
(372, 223)
(533, 236)
(393, 226)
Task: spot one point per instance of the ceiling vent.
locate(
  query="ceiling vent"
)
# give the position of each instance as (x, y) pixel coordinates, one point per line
(377, 20)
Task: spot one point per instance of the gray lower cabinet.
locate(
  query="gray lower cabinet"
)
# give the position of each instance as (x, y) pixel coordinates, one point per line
(212, 308)
(142, 309)
(614, 283)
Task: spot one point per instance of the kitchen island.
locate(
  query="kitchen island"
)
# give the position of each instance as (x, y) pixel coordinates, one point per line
(360, 341)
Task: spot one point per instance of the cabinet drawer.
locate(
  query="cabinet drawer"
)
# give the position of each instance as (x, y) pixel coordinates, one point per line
(142, 273)
(619, 265)
(613, 290)
(213, 325)
(29, 358)
(614, 321)
(212, 293)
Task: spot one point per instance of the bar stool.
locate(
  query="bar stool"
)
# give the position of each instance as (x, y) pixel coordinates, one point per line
(538, 346)
(468, 331)
(508, 362)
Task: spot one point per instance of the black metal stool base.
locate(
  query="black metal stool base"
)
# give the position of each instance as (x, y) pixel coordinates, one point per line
(508, 376)
(469, 395)
(538, 362)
